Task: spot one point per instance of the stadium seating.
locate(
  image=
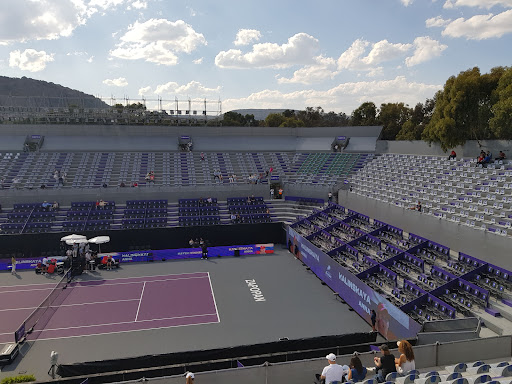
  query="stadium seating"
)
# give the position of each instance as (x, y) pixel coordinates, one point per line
(415, 274)
(457, 190)
(96, 169)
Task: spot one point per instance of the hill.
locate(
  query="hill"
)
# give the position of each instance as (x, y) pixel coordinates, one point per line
(259, 114)
(25, 92)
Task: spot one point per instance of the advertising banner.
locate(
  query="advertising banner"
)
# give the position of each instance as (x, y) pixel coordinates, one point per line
(391, 322)
(163, 254)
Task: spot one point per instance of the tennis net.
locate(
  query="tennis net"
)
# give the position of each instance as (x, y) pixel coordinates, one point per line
(42, 314)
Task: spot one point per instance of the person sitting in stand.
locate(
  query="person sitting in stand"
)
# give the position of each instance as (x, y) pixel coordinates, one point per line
(384, 364)
(405, 362)
(122, 184)
(357, 372)
(453, 155)
(209, 200)
(55, 206)
(135, 184)
(501, 156)
(417, 207)
(233, 218)
(253, 199)
(202, 156)
(102, 203)
(46, 206)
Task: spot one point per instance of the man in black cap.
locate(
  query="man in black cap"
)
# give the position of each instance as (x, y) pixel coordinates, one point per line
(384, 364)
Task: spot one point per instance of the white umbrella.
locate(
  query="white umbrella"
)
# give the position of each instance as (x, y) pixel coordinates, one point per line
(76, 241)
(99, 240)
(72, 237)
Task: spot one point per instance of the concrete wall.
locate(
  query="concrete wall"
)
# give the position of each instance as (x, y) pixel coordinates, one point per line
(483, 245)
(471, 149)
(299, 372)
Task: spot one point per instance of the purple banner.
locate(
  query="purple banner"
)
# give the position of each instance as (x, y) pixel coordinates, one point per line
(392, 323)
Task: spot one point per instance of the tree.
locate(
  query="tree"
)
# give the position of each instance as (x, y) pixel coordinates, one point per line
(392, 116)
(274, 120)
(462, 110)
(365, 114)
(311, 117)
(501, 122)
(420, 117)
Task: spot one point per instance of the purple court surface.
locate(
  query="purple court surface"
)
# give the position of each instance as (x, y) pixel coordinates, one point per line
(112, 306)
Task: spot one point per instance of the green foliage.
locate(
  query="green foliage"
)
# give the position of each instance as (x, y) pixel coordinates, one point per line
(392, 116)
(235, 119)
(364, 115)
(18, 379)
(501, 122)
(274, 120)
(464, 108)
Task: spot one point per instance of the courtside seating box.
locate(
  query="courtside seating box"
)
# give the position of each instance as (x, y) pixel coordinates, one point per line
(8, 353)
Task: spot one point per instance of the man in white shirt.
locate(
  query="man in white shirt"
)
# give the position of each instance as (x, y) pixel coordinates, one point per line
(189, 378)
(333, 373)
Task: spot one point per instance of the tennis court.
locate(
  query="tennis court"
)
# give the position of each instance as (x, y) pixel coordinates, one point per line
(110, 306)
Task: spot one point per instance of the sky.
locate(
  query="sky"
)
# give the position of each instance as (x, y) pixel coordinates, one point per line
(335, 54)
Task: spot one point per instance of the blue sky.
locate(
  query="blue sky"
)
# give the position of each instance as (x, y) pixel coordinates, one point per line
(254, 54)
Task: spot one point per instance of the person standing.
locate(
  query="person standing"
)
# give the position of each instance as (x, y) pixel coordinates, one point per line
(329, 196)
(374, 320)
(384, 364)
(333, 372)
(271, 193)
(13, 265)
(204, 248)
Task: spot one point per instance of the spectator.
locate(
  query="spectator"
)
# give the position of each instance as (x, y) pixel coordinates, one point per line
(102, 203)
(357, 371)
(43, 186)
(332, 372)
(189, 378)
(453, 155)
(329, 196)
(501, 156)
(135, 184)
(417, 207)
(109, 262)
(202, 156)
(384, 364)
(46, 206)
(209, 200)
(16, 182)
(122, 185)
(374, 319)
(233, 217)
(280, 193)
(405, 362)
(105, 185)
(271, 193)
(13, 265)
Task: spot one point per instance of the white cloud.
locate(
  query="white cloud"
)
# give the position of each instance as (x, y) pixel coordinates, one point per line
(29, 60)
(437, 21)
(198, 61)
(344, 97)
(324, 68)
(24, 20)
(300, 49)
(385, 51)
(247, 36)
(90, 59)
(481, 27)
(193, 88)
(406, 2)
(158, 41)
(139, 4)
(449, 4)
(119, 82)
(425, 50)
(351, 58)
(144, 91)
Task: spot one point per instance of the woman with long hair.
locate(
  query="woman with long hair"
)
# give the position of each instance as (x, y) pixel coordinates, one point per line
(357, 371)
(405, 362)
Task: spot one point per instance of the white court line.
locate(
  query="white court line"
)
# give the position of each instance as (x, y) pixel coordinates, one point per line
(73, 305)
(142, 277)
(24, 285)
(29, 290)
(114, 332)
(123, 322)
(140, 301)
(213, 296)
(136, 282)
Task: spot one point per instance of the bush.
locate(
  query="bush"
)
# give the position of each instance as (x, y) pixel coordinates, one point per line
(18, 379)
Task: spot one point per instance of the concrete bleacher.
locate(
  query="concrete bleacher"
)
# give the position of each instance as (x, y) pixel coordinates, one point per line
(456, 190)
(84, 170)
(428, 281)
